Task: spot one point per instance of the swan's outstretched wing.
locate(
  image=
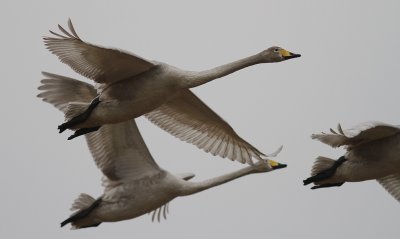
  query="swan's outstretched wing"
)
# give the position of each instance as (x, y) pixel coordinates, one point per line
(118, 149)
(100, 64)
(392, 184)
(358, 135)
(120, 152)
(189, 119)
(60, 90)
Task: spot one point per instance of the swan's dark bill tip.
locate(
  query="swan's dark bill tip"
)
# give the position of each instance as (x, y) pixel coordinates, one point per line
(328, 185)
(280, 165)
(291, 56)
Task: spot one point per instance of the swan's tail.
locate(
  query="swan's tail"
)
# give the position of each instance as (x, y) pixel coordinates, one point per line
(85, 204)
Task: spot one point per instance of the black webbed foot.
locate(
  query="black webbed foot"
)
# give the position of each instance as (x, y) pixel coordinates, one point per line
(83, 131)
(81, 117)
(320, 176)
(328, 185)
(82, 214)
(326, 173)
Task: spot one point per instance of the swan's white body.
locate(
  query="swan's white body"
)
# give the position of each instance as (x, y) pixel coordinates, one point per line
(130, 86)
(133, 97)
(373, 152)
(134, 183)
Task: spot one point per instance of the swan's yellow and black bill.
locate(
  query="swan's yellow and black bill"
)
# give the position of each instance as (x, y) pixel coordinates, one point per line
(288, 55)
(276, 165)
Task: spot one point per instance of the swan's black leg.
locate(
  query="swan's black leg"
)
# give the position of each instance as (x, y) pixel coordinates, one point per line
(81, 117)
(326, 173)
(328, 185)
(83, 131)
(82, 214)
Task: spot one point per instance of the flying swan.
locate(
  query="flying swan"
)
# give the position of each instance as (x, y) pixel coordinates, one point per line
(373, 152)
(129, 86)
(134, 183)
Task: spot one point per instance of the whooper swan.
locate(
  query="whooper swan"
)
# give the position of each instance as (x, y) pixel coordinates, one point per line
(130, 86)
(373, 152)
(134, 183)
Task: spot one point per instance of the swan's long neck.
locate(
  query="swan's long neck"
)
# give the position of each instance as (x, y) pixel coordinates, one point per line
(198, 78)
(195, 187)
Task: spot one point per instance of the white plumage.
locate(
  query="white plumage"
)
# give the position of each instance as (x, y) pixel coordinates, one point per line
(130, 86)
(134, 183)
(373, 152)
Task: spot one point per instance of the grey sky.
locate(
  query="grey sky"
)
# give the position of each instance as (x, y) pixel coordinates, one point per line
(348, 73)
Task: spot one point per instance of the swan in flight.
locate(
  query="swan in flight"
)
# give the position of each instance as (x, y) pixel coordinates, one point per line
(373, 152)
(129, 86)
(134, 183)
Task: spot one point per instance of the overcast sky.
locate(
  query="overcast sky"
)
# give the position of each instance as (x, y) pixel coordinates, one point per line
(348, 73)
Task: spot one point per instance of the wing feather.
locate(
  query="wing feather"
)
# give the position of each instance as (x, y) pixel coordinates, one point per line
(60, 90)
(392, 184)
(118, 149)
(358, 135)
(103, 65)
(189, 119)
(120, 152)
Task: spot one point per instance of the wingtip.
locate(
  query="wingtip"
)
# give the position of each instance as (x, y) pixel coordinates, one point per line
(274, 154)
(316, 136)
(339, 128)
(70, 24)
(45, 73)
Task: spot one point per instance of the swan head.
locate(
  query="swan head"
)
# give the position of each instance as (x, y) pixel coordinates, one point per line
(267, 165)
(277, 54)
(275, 165)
